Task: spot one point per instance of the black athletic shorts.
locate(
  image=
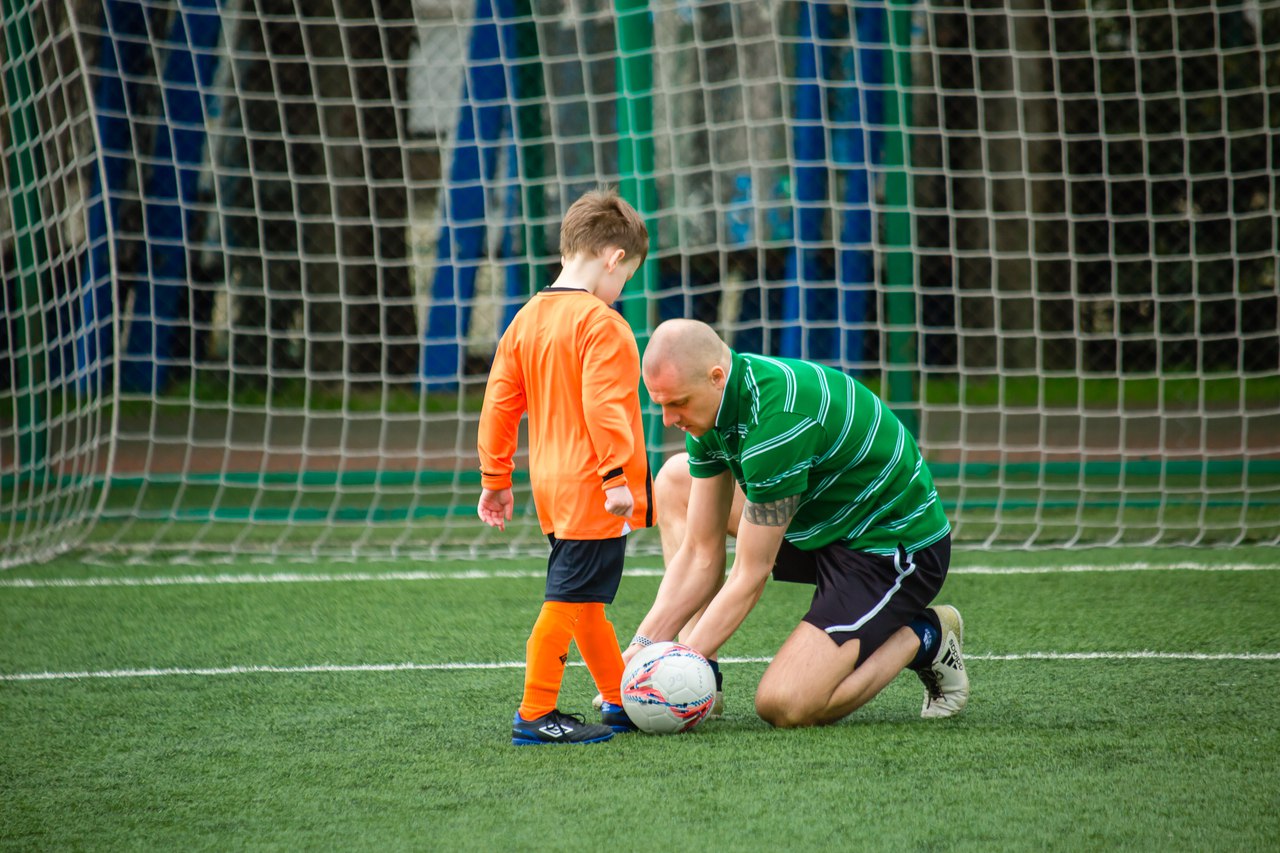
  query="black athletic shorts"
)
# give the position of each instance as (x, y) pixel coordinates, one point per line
(585, 570)
(865, 596)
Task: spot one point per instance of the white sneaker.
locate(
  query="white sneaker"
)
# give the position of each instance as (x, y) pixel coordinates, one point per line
(946, 683)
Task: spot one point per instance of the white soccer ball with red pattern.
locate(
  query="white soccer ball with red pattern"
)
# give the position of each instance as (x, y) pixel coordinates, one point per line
(668, 688)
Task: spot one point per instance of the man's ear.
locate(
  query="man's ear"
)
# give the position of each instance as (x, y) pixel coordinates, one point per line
(717, 375)
(613, 259)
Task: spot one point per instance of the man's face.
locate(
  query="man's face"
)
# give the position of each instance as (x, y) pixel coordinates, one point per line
(688, 403)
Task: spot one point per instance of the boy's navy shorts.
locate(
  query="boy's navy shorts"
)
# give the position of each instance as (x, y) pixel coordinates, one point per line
(865, 596)
(585, 570)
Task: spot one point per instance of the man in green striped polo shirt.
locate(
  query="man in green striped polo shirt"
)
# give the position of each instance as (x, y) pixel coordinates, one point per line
(821, 484)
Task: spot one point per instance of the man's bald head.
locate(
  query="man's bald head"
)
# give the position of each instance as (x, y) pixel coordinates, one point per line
(689, 347)
(686, 369)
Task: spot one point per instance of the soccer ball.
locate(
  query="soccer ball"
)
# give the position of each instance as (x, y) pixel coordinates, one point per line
(668, 688)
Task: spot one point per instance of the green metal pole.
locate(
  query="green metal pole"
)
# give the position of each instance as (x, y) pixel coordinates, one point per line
(635, 170)
(635, 147)
(25, 166)
(531, 91)
(900, 296)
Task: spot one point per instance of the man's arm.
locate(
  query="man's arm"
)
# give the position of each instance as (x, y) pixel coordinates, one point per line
(691, 576)
(759, 536)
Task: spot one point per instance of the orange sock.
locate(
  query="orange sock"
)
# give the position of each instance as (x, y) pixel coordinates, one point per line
(546, 653)
(599, 647)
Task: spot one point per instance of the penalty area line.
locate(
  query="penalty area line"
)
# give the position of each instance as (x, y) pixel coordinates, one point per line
(461, 667)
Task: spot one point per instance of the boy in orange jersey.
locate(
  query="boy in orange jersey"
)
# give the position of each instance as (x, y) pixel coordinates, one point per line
(571, 362)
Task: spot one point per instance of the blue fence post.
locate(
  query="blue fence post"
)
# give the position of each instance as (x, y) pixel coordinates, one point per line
(859, 113)
(122, 64)
(461, 248)
(170, 193)
(525, 197)
(802, 295)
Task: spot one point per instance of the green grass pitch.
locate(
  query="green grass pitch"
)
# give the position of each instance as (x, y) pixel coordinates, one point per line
(1116, 705)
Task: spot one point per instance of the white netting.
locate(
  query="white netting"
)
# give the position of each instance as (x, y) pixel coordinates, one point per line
(274, 242)
(55, 402)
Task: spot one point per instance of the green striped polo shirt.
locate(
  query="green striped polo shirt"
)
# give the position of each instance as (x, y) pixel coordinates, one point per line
(788, 427)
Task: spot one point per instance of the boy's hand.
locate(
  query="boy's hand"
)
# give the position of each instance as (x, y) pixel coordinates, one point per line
(495, 506)
(618, 501)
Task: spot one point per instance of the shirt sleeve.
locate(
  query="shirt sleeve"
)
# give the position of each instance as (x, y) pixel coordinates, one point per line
(704, 460)
(778, 454)
(610, 396)
(499, 433)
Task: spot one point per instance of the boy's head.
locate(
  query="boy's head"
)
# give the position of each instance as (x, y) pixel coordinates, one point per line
(599, 220)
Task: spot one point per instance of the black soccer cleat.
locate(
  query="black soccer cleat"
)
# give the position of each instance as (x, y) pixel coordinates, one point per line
(616, 718)
(555, 727)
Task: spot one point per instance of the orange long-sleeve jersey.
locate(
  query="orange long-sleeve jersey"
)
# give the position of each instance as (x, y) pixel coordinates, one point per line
(571, 362)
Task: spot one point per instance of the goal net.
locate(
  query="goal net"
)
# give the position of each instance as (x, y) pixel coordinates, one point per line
(257, 254)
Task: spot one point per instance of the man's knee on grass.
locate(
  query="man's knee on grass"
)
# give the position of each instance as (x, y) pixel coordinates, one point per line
(783, 710)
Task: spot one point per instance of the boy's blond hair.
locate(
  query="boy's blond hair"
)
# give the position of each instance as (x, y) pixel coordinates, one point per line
(600, 219)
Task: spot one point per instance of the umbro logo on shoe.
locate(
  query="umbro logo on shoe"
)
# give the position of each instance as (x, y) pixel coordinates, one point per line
(555, 730)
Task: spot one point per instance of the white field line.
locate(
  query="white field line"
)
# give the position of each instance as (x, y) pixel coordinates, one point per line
(455, 667)
(491, 574)
(290, 577)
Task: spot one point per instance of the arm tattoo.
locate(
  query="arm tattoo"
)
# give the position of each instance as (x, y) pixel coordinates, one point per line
(774, 514)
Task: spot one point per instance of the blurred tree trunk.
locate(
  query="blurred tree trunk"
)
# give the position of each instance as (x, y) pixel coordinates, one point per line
(261, 224)
(320, 95)
(989, 79)
(373, 199)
